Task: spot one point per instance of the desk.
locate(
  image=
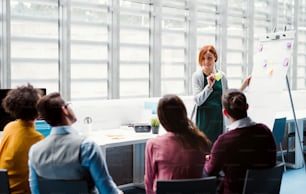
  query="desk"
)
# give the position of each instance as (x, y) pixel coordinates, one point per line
(300, 118)
(119, 137)
(110, 138)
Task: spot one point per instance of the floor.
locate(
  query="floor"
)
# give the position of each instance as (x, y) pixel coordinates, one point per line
(294, 182)
(134, 190)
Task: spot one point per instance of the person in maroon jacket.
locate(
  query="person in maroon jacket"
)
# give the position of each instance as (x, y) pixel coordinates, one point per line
(179, 153)
(247, 144)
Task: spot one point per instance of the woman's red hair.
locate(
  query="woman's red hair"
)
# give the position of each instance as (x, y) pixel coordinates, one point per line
(206, 49)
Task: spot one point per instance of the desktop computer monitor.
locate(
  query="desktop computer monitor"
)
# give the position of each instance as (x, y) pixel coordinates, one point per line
(5, 117)
(42, 127)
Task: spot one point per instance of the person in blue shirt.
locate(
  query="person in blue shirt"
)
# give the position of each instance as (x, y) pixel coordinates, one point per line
(64, 154)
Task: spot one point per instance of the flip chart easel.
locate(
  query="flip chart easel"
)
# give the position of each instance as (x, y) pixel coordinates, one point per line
(269, 80)
(271, 62)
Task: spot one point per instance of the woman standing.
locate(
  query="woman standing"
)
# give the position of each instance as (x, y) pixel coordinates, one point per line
(180, 152)
(208, 84)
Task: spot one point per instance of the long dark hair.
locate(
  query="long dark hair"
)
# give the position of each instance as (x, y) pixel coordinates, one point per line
(172, 114)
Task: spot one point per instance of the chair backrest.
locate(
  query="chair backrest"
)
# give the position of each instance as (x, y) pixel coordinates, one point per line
(49, 186)
(279, 129)
(206, 185)
(266, 180)
(4, 182)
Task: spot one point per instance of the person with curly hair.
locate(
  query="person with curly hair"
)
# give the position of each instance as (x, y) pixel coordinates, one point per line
(19, 135)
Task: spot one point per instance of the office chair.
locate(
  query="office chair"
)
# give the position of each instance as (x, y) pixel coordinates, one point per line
(49, 186)
(279, 133)
(4, 182)
(206, 185)
(267, 180)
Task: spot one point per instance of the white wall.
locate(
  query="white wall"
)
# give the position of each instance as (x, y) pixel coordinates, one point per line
(280, 106)
(111, 114)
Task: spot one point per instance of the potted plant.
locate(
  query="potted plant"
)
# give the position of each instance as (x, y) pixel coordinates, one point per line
(155, 125)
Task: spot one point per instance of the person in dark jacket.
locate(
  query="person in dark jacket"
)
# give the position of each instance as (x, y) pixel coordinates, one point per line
(247, 144)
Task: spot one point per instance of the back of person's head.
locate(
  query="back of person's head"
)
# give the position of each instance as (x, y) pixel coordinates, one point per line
(235, 103)
(173, 117)
(172, 113)
(21, 102)
(206, 49)
(50, 108)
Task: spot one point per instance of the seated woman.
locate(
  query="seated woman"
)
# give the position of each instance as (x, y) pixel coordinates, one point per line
(178, 154)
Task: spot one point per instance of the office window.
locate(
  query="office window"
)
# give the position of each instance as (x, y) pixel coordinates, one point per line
(34, 43)
(2, 38)
(112, 48)
(262, 18)
(207, 23)
(174, 37)
(285, 20)
(89, 49)
(285, 15)
(301, 47)
(236, 60)
(134, 49)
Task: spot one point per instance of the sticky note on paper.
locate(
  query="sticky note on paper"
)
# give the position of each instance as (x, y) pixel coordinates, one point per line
(270, 71)
(218, 76)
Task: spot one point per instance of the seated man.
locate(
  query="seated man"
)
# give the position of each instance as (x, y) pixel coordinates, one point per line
(246, 145)
(64, 154)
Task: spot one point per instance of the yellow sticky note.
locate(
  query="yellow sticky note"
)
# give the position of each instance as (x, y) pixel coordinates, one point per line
(218, 76)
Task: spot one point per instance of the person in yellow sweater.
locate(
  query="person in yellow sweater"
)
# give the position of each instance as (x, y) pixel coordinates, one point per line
(19, 135)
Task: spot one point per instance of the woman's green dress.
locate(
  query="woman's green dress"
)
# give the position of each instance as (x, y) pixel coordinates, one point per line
(209, 117)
